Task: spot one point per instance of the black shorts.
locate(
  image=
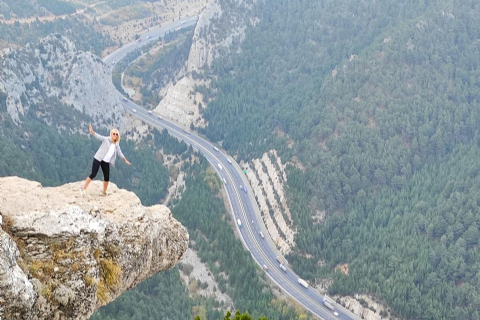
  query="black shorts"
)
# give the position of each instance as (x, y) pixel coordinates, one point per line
(105, 169)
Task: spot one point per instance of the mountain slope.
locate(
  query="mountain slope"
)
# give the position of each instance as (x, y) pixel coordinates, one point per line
(361, 97)
(52, 75)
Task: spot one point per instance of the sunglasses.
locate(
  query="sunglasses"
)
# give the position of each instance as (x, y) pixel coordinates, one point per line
(115, 134)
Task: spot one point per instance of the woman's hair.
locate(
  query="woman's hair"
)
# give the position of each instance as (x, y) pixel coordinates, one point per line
(115, 131)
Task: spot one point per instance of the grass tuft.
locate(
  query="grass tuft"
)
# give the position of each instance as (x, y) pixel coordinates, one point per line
(102, 293)
(89, 280)
(110, 273)
(42, 270)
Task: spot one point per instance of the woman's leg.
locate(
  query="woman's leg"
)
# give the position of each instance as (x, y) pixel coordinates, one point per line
(106, 175)
(95, 167)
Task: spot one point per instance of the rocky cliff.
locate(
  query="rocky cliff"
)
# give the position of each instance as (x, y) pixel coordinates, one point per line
(53, 75)
(220, 30)
(62, 255)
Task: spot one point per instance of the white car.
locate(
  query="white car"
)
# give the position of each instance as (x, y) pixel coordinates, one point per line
(149, 111)
(261, 235)
(134, 110)
(335, 313)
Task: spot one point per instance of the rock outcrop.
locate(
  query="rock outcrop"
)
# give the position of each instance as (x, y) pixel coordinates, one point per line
(179, 103)
(62, 255)
(220, 31)
(267, 179)
(53, 75)
(368, 309)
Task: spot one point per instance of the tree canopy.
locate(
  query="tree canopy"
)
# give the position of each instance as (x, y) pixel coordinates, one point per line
(370, 98)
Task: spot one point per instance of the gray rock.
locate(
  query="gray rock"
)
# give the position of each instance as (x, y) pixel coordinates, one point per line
(86, 261)
(64, 295)
(218, 33)
(16, 291)
(54, 68)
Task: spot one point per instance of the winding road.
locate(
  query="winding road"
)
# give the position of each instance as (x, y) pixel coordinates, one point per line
(242, 202)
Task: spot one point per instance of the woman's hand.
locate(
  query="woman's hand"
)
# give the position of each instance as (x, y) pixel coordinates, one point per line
(91, 129)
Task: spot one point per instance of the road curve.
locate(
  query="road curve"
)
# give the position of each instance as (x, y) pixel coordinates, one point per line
(242, 204)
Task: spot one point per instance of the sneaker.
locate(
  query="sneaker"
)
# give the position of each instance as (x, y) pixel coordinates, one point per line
(83, 192)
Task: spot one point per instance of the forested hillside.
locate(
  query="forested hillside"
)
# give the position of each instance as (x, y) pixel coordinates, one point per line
(416, 246)
(375, 103)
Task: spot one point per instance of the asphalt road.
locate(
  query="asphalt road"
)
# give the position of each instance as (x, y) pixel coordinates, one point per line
(242, 204)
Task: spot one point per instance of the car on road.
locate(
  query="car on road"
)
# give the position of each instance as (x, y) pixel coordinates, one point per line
(303, 282)
(335, 313)
(185, 131)
(244, 189)
(159, 118)
(215, 148)
(262, 235)
(113, 63)
(219, 166)
(229, 161)
(265, 267)
(239, 223)
(284, 269)
(149, 111)
(327, 302)
(224, 181)
(124, 99)
(134, 110)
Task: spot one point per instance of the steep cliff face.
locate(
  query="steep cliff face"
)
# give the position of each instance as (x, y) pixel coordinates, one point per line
(220, 30)
(53, 75)
(62, 255)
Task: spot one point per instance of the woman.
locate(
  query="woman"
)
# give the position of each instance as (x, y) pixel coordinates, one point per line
(105, 157)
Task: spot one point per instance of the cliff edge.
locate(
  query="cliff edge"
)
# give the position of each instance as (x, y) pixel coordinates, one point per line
(62, 255)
